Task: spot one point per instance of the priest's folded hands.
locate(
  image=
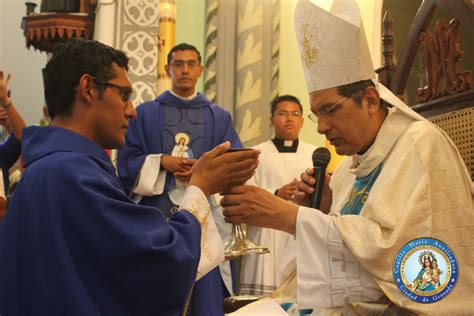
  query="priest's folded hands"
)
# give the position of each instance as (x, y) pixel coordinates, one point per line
(220, 169)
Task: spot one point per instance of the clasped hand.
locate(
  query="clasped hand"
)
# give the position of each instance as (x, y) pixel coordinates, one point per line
(180, 167)
(286, 191)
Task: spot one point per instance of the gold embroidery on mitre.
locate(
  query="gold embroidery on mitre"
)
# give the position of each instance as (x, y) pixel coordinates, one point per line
(310, 54)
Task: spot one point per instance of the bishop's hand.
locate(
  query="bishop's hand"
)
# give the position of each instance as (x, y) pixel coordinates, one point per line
(305, 188)
(258, 207)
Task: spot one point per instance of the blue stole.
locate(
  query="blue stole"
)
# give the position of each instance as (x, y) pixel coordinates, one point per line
(360, 192)
(188, 119)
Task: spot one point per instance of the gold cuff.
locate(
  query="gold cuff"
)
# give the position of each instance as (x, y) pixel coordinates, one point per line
(196, 213)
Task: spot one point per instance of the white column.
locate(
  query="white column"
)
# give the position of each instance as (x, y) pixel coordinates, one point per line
(104, 32)
(104, 28)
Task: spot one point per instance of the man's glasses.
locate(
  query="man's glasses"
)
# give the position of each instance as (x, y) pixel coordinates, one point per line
(326, 111)
(288, 114)
(179, 64)
(124, 92)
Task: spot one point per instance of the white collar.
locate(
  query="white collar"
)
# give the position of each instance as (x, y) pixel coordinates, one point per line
(192, 96)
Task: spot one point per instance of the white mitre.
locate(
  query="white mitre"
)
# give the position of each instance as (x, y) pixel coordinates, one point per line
(332, 44)
(334, 50)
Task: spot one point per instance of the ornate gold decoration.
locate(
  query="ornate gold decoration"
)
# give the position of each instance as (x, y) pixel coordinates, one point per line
(311, 54)
(196, 213)
(194, 208)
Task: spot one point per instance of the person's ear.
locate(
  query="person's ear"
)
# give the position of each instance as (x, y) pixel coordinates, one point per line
(372, 97)
(86, 88)
(167, 69)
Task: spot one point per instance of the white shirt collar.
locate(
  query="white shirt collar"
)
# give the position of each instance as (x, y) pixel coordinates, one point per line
(192, 96)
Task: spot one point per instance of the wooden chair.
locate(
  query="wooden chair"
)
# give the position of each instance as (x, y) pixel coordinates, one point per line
(448, 98)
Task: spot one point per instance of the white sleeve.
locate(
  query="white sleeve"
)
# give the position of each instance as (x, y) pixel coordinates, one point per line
(328, 274)
(151, 180)
(224, 230)
(212, 247)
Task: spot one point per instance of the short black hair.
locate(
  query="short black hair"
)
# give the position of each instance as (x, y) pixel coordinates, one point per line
(183, 46)
(355, 91)
(70, 61)
(286, 97)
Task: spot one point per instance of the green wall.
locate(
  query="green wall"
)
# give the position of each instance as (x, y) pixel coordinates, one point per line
(190, 26)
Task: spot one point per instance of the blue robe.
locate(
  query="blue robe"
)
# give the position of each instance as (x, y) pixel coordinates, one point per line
(152, 132)
(10, 151)
(73, 243)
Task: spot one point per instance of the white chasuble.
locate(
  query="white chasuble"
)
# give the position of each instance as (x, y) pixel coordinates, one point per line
(423, 190)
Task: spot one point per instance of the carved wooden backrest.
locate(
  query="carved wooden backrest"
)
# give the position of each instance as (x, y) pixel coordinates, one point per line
(448, 97)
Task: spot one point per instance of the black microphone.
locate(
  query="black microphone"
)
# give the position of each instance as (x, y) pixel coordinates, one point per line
(321, 157)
